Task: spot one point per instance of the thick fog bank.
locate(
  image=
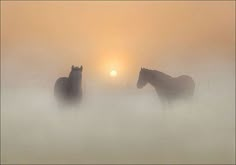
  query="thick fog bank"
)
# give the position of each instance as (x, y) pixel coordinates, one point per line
(116, 122)
(118, 126)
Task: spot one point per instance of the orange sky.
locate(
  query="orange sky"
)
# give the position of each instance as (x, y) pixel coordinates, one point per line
(113, 35)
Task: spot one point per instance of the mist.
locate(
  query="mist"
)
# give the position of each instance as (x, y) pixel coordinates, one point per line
(120, 124)
(116, 122)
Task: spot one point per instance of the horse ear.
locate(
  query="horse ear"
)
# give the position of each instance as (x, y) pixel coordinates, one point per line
(72, 67)
(81, 67)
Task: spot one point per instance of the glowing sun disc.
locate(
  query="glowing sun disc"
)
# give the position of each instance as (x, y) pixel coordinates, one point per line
(113, 73)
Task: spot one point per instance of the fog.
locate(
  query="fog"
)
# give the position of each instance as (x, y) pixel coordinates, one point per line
(120, 124)
(116, 122)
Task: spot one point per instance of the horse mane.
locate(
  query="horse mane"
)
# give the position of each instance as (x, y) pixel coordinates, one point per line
(70, 75)
(158, 74)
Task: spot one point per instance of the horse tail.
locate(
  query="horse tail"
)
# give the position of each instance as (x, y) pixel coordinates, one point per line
(188, 84)
(191, 86)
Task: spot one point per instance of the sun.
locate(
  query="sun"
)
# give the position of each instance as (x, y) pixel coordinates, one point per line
(113, 73)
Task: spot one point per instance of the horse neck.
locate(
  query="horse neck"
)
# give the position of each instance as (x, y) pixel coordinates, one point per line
(74, 86)
(157, 79)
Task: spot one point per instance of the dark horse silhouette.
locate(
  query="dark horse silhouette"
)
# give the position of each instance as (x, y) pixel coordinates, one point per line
(68, 89)
(168, 88)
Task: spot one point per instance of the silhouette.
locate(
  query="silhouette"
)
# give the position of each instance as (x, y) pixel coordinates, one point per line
(168, 88)
(68, 89)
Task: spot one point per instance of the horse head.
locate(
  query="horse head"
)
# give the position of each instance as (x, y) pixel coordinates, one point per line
(75, 78)
(142, 81)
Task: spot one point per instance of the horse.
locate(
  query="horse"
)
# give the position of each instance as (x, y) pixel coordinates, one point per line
(168, 88)
(69, 89)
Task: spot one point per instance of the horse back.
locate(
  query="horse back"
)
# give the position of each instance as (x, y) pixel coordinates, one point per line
(60, 87)
(185, 83)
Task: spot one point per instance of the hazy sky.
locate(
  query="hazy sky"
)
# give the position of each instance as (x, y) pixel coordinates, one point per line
(51, 36)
